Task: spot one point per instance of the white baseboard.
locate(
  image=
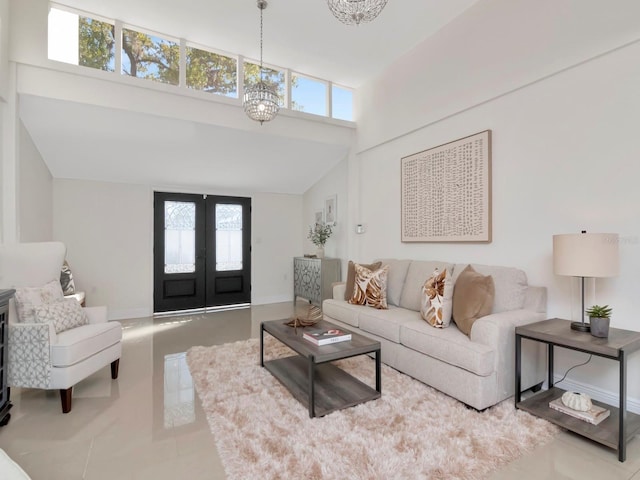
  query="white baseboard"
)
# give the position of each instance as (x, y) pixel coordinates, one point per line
(604, 396)
(126, 313)
(272, 299)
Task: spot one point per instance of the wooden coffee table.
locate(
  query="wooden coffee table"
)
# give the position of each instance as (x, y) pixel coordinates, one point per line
(309, 375)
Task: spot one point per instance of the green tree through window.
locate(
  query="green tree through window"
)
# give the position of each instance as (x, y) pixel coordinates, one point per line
(96, 44)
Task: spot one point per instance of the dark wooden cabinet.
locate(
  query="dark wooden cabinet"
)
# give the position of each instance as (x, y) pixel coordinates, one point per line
(5, 404)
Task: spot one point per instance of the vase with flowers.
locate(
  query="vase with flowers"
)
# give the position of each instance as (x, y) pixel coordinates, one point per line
(319, 234)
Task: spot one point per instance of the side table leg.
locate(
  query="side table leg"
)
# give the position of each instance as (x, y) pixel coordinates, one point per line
(312, 374)
(518, 369)
(622, 430)
(550, 365)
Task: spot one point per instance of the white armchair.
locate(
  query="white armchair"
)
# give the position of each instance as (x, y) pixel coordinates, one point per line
(38, 356)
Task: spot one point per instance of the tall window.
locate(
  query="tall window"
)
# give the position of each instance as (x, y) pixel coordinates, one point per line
(150, 57)
(308, 95)
(273, 78)
(211, 72)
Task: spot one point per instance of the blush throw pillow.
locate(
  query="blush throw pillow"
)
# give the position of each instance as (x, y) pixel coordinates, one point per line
(351, 276)
(27, 298)
(64, 315)
(370, 287)
(473, 297)
(437, 299)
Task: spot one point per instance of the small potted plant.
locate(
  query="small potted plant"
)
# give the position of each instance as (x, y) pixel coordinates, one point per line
(319, 234)
(599, 318)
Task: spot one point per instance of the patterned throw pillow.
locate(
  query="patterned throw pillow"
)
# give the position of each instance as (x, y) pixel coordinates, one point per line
(66, 280)
(64, 315)
(27, 298)
(370, 287)
(437, 299)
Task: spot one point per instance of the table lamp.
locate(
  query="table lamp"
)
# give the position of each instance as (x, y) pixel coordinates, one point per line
(592, 255)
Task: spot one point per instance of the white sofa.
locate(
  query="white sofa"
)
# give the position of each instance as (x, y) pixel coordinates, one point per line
(478, 370)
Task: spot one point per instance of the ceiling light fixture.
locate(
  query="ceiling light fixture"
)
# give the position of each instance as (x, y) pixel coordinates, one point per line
(355, 12)
(261, 100)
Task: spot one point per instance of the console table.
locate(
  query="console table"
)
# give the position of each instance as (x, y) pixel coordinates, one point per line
(616, 430)
(313, 278)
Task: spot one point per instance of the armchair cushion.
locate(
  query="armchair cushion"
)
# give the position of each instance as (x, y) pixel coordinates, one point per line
(75, 345)
(27, 298)
(64, 315)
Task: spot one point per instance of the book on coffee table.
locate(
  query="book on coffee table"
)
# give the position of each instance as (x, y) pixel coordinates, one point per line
(323, 336)
(594, 416)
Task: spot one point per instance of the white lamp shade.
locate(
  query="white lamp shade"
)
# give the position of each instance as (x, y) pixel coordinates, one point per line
(586, 254)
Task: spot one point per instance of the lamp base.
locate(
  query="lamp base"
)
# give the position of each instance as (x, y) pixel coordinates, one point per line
(580, 327)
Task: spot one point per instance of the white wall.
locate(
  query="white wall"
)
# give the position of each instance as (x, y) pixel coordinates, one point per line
(276, 225)
(107, 228)
(565, 158)
(35, 217)
(334, 183)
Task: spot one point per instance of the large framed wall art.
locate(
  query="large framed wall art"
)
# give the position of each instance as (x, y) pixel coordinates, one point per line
(446, 192)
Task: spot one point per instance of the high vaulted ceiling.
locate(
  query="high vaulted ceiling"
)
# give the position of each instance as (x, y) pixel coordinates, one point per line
(99, 142)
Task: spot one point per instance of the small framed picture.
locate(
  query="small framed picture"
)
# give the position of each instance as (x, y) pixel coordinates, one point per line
(331, 210)
(320, 217)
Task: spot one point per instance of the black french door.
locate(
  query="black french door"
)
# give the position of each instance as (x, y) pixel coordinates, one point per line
(202, 251)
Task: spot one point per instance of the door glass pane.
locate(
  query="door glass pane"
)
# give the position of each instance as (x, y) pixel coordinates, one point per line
(179, 237)
(228, 237)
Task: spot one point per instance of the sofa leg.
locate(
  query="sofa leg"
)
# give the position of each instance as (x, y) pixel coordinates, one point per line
(114, 368)
(65, 398)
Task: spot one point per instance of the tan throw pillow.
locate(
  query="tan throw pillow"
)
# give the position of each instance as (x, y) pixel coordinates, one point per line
(351, 276)
(370, 287)
(437, 298)
(472, 298)
(27, 298)
(64, 315)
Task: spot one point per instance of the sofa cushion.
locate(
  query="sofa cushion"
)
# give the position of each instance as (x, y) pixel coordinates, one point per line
(342, 310)
(386, 323)
(351, 276)
(395, 278)
(449, 345)
(472, 298)
(370, 287)
(417, 274)
(510, 285)
(73, 346)
(437, 299)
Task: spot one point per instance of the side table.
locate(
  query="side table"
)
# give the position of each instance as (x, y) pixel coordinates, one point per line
(621, 426)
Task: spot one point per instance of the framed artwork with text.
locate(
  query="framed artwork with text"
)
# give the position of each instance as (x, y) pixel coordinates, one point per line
(446, 192)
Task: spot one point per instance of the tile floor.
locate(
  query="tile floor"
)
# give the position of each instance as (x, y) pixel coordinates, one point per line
(149, 424)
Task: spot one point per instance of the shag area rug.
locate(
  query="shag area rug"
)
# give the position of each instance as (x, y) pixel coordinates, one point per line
(411, 432)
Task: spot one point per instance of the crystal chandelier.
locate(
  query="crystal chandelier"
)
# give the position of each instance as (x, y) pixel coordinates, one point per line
(261, 100)
(355, 12)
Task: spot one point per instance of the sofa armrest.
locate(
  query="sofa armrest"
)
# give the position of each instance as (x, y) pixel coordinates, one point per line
(96, 314)
(339, 289)
(498, 332)
(30, 354)
(535, 299)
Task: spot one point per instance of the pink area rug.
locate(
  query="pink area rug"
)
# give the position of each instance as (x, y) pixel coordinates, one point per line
(411, 432)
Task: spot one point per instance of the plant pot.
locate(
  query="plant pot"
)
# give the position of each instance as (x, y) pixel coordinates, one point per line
(320, 252)
(599, 326)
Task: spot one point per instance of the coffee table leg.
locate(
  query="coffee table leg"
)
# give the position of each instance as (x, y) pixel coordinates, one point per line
(312, 373)
(378, 376)
(261, 344)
